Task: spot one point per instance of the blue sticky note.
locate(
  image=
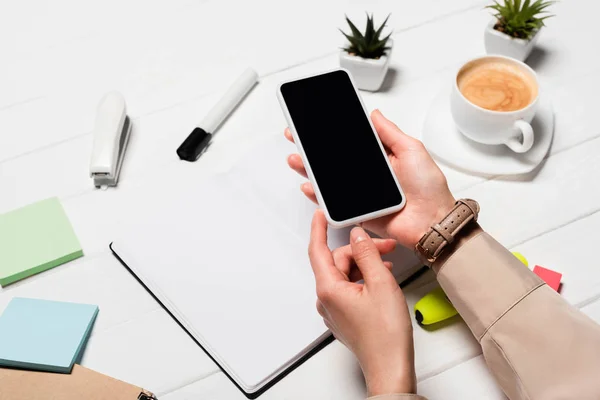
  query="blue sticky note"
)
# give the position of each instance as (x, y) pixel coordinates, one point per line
(44, 335)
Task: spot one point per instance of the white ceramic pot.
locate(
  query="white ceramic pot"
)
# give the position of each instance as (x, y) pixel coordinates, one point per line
(500, 43)
(368, 73)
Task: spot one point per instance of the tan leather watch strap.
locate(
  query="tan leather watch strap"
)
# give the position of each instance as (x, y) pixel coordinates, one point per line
(443, 233)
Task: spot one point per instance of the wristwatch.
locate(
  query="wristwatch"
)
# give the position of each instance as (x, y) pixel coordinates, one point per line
(442, 234)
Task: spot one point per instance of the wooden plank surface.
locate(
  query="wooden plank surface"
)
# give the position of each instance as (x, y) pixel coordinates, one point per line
(172, 60)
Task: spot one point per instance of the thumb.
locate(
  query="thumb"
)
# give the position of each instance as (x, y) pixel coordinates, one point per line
(367, 256)
(391, 136)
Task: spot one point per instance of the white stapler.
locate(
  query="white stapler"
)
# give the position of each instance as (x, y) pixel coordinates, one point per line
(111, 134)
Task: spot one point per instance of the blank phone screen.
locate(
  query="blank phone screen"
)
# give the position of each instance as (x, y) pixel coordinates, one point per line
(346, 160)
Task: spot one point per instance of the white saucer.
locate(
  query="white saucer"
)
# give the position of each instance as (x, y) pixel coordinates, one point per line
(447, 144)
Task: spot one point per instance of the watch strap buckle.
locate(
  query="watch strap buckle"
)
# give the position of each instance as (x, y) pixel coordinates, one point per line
(442, 234)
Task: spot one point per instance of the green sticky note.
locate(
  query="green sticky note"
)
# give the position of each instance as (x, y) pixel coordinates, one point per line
(35, 238)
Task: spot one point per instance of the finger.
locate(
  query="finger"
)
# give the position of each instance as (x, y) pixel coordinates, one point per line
(288, 135)
(344, 260)
(295, 163)
(391, 136)
(320, 256)
(309, 191)
(367, 257)
(356, 275)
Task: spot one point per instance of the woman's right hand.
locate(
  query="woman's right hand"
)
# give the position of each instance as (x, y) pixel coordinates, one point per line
(428, 198)
(371, 317)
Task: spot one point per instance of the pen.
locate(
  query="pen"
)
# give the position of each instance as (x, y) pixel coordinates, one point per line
(200, 137)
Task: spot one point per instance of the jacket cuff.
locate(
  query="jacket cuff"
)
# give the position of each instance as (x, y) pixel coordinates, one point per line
(397, 397)
(483, 280)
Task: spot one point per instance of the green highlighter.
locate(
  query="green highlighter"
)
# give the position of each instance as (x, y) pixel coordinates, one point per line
(35, 238)
(434, 307)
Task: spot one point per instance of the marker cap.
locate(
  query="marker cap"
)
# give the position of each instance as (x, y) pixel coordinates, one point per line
(195, 143)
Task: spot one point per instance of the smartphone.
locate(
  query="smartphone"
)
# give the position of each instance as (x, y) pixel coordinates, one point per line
(344, 158)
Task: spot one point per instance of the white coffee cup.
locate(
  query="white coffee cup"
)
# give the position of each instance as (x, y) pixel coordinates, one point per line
(512, 128)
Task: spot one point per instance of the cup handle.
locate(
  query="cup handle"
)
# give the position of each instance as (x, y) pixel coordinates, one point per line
(526, 131)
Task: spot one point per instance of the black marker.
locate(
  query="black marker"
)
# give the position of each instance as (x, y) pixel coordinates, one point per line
(197, 141)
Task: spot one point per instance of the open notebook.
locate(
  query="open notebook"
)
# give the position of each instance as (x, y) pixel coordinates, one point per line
(227, 257)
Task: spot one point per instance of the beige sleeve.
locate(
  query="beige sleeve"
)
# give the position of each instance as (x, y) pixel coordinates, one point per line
(536, 345)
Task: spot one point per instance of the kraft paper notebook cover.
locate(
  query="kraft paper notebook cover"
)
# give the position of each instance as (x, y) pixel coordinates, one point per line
(227, 257)
(80, 384)
(35, 238)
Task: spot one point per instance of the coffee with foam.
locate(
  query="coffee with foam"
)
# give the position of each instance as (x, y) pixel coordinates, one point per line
(497, 85)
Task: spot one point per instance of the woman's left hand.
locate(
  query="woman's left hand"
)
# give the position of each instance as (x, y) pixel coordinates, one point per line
(428, 198)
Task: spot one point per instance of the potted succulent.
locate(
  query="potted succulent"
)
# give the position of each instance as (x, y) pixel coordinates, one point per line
(516, 28)
(367, 56)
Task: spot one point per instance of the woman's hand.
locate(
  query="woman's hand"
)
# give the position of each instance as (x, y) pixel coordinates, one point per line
(428, 198)
(370, 318)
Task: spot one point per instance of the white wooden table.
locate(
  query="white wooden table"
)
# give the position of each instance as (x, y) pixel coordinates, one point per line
(172, 59)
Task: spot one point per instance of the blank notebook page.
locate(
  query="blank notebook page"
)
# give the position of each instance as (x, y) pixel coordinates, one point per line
(236, 278)
(228, 257)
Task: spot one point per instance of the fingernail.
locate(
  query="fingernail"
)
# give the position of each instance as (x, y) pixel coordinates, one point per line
(358, 235)
(304, 186)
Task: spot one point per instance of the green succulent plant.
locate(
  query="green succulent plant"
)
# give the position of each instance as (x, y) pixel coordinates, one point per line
(369, 44)
(520, 19)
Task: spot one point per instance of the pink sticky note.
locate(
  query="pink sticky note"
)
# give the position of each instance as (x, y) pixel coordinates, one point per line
(552, 278)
